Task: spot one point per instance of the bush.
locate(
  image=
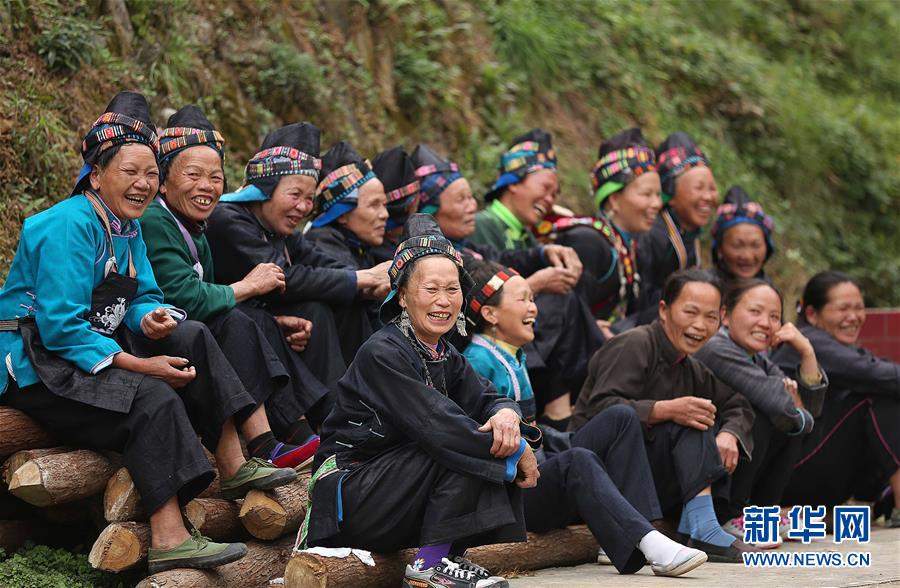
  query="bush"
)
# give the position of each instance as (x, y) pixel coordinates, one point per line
(43, 567)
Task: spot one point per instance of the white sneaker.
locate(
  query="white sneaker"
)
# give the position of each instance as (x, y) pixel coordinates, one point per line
(735, 527)
(603, 559)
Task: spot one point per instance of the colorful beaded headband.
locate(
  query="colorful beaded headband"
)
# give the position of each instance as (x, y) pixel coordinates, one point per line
(113, 128)
(282, 161)
(675, 161)
(433, 169)
(495, 283)
(403, 192)
(416, 247)
(632, 161)
(177, 138)
(340, 183)
(526, 157)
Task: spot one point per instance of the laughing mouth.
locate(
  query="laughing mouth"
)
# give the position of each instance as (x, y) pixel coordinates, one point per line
(202, 200)
(439, 316)
(135, 199)
(528, 321)
(695, 338)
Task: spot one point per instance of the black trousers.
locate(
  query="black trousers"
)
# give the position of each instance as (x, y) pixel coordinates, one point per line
(324, 354)
(565, 338)
(259, 352)
(853, 450)
(157, 437)
(762, 480)
(404, 498)
(684, 461)
(605, 481)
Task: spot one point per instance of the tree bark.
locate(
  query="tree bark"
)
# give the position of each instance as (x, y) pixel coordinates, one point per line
(18, 432)
(216, 518)
(263, 562)
(561, 547)
(121, 21)
(273, 513)
(120, 546)
(61, 478)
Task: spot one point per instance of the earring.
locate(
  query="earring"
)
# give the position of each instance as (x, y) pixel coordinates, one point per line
(461, 324)
(405, 324)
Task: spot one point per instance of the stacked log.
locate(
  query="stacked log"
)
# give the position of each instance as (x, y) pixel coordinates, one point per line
(59, 478)
(120, 546)
(562, 547)
(263, 562)
(274, 513)
(18, 432)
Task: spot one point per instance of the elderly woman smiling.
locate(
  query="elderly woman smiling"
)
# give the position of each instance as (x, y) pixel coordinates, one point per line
(419, 450)
(94, 355)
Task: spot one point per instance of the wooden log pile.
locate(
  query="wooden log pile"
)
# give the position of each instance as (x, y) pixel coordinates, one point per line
(51, 492)
(562, 547)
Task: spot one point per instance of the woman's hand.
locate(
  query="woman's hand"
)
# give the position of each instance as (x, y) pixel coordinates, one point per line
(505, 425)
(262, 279)
(566, 257)
(792, 389)
(170, 370)
(809, 365)
(527, 470)
(297, 331)
(605, 328)
(553, 280)
(157, 324)
(728, 450)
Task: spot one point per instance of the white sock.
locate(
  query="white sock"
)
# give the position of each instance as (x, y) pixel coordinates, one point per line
(658, 548)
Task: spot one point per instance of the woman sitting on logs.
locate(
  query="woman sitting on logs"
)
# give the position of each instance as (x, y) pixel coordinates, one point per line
(94, 355)
(599, 475)
(419, 450)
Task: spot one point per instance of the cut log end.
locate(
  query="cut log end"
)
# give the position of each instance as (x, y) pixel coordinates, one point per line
(121, 501)
(120, 546)
(262, 516)
(26, 483)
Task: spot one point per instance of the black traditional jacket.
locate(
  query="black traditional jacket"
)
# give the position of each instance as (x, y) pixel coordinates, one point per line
(239, 243)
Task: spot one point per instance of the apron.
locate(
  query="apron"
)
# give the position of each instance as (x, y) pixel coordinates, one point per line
(111, 389)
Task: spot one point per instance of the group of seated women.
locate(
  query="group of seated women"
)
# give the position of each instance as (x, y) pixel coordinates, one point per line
(452, 378)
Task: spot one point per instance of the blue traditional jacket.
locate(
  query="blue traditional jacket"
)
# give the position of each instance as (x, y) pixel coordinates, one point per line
(61, 257)
(508, 374)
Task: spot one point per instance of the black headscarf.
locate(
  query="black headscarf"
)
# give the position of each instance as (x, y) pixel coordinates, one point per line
(395, 170)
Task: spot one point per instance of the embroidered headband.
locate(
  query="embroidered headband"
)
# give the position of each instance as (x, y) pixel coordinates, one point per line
(617, 168)
(480, 297)
(281, 161)
(175, 139)
(114, 128)
(403, 192)
(417, 247)
(520, 160)
(341, 184)
(730, 214)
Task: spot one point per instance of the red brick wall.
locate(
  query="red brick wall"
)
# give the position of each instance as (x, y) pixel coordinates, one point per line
(881, 333)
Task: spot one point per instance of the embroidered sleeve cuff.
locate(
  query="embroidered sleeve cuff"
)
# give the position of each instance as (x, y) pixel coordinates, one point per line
(103, 364)
(513, 460)
(806, 423)
(176, 313)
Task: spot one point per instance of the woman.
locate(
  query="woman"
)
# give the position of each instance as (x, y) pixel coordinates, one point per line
(258, 224)
(626, 193)
(855, 451)
(689, 196)
(395, 169)
(567, 335)
(405, 459)
(582, 478)
(350, 212)
(94, 356)
(174, 230)
(784, 408)
(741, 238)
(695, 426)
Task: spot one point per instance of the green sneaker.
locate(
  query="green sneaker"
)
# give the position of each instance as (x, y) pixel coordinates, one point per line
(255, 474)
(197, 551)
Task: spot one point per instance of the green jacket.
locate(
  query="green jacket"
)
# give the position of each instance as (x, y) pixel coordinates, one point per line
(498, 227)
(173, 267)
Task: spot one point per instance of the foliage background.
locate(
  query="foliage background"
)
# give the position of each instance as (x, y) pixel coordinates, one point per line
(796, 100)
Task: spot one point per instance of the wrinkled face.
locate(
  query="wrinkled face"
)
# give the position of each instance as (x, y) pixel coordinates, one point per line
(514, 316)
(368, 218)
(533, 197)
(696, 197)
(635, 207)
(195, 182)
(743, 250)
(692, 318)
(843, 315)
(291, 202)
(456, 215)
(128, 182)
(432, 297)
(755, 319)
